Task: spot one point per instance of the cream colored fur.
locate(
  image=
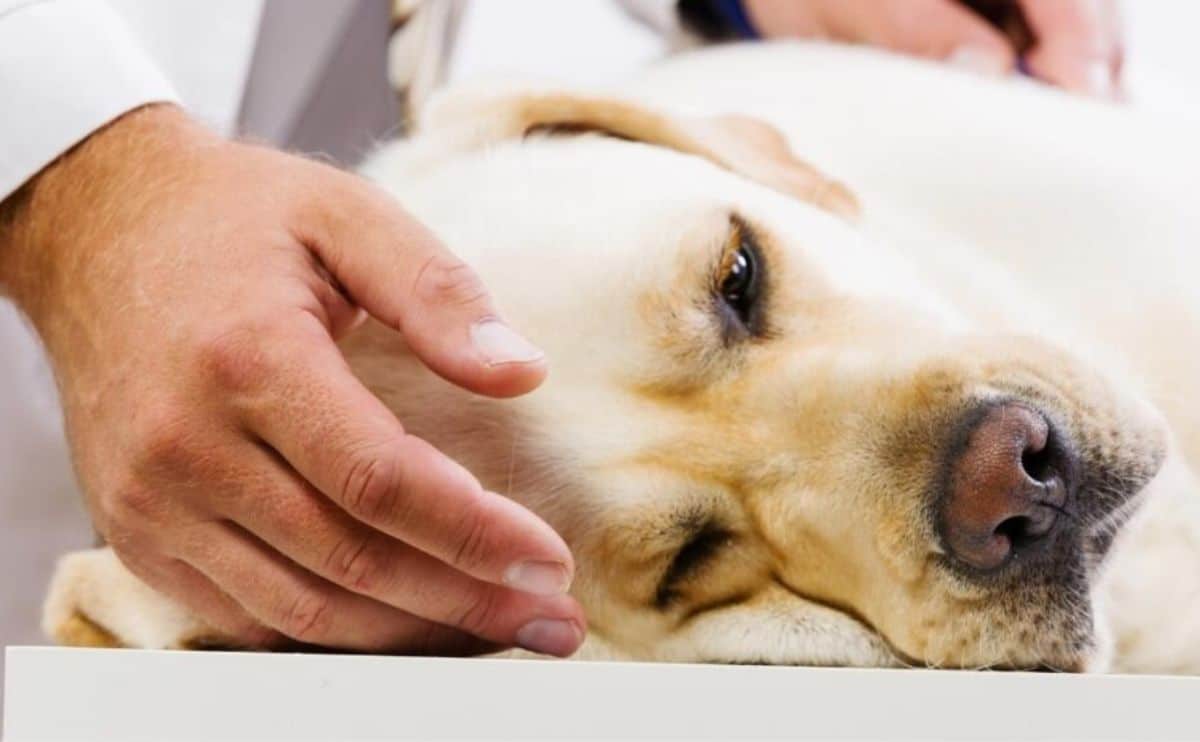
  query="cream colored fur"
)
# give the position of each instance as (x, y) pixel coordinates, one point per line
(1010, 240)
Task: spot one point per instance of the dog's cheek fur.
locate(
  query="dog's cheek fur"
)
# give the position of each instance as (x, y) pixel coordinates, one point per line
(831, 463)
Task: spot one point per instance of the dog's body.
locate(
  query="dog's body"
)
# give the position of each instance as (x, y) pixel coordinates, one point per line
(783, 482)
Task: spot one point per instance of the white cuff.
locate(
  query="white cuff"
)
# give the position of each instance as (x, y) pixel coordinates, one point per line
(661, 15)
(67, 68)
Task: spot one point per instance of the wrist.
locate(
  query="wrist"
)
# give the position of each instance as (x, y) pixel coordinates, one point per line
(12, 211)
(51, 227)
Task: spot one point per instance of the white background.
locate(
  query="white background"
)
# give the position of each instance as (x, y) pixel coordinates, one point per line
(582, 41)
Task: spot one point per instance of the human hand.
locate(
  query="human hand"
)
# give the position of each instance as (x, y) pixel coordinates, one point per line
(189, 291)
(1076, 44)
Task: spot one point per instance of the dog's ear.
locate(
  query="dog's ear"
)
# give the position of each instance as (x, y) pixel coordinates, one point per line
(744, 145)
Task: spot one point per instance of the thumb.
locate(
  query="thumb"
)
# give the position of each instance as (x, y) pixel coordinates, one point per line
(400, 273)
(935, 29)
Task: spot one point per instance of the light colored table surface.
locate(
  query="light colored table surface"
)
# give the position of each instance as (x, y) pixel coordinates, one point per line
(110, 694)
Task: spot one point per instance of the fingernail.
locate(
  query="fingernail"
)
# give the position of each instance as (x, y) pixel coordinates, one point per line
(978, 59)
(1099, 80)
(550, 636)
(539, 578)
(500, 344)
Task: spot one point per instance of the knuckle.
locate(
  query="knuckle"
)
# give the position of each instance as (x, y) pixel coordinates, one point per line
(131, 508)
(165, 442)
(369, 486)
(308, 618)
(135, 555)
(234, 357)
(353, 563)
(471, 551)
(169, 447)
(447, 282)
(478, 613)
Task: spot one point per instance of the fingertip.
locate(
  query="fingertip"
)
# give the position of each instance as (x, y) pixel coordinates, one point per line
(511, 380)
(500, 345)
(541, 562)
(510, 365)
(489, 358)
(537, 577)
(555, 637)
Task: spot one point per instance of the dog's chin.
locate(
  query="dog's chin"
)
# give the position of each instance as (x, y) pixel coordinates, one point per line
(786, 632)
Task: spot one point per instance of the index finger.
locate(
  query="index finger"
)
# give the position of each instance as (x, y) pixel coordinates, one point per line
(348, 444)
(398, 271)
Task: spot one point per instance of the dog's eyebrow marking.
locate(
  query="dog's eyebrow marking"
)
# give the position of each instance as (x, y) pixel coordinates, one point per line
(706, 540)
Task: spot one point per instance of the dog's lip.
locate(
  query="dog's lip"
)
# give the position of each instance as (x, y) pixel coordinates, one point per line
(843, 609)
(1077, 662)
(1100, 536)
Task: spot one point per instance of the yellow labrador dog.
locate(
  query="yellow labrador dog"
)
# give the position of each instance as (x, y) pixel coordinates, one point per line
(945, 414)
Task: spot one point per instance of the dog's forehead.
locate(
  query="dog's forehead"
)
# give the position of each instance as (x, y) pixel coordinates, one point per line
(615, 200)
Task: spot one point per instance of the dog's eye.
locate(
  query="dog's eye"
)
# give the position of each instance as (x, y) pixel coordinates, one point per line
(740, 287)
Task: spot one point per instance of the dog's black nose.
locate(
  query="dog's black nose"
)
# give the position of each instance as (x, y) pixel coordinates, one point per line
(1007, 487)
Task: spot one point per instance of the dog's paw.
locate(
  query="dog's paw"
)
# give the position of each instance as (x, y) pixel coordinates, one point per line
(79, 631)
(95, 601)
(63, 620)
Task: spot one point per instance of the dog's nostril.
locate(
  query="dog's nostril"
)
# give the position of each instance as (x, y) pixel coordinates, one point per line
(1006, 487)
(1038, 463)
(1024, 530)
(1034, 464)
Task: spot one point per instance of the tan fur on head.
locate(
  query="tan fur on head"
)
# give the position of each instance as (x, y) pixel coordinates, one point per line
(743, 145)
(744, 485)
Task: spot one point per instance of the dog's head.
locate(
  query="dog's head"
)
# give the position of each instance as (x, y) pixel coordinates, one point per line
(764, 437)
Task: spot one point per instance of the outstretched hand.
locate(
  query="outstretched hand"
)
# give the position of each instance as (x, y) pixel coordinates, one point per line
(190, 291)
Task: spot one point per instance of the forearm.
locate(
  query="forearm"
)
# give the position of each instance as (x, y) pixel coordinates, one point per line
(11, 211)
(52, 229)
(67, 69)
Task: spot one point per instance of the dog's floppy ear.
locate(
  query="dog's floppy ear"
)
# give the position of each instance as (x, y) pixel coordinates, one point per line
(741, 144)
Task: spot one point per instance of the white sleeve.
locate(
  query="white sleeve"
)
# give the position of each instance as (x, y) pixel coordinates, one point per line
(67, 67)
(661, 15)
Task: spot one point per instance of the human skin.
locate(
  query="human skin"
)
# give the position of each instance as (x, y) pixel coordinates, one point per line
(189, 291)
(1077, 42)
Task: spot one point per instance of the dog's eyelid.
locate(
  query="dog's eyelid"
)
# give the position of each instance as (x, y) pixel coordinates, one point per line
(702, 545)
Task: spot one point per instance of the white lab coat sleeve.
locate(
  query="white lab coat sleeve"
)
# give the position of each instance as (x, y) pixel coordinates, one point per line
(663, 17)
(67, 68)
